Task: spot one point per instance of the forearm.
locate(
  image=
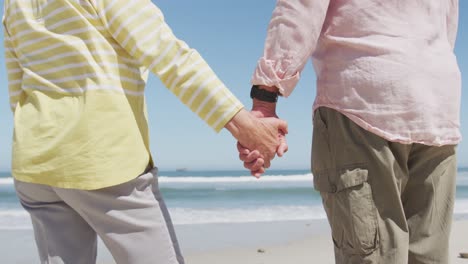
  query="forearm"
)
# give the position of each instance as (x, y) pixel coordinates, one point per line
(240, 122)
(292, 36)
(139, 27)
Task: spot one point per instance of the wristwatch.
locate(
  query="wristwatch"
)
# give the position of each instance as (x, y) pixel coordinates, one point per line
(263, 95)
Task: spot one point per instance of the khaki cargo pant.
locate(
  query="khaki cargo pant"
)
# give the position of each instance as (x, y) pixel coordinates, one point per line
(386, 202)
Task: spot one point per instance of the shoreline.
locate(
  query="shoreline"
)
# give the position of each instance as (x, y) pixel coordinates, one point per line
(296, 242)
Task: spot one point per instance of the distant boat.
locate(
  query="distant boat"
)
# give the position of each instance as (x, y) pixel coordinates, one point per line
(181, 169)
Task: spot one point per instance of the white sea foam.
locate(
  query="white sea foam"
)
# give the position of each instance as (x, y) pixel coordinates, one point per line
(461, 206)
(186, 216)
(6, 181)
(12, 219)
(19, 219)
(461, 180)
(274, 178)
(233, 179)
(236, 183)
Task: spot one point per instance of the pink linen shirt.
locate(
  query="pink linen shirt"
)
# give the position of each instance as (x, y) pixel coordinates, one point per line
(388, 65)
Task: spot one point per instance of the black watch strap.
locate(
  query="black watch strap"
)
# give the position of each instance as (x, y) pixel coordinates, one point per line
(263, 95)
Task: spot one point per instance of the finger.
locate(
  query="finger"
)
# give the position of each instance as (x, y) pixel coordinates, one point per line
(242, 156)
(252, 156)
(242, 149)
(283, 126)
(283, 147)
(243, 152)
(258, 173)
(254, 165)
(267, 164)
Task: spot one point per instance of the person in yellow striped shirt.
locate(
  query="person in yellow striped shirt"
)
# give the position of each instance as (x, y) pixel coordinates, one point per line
(77, 71)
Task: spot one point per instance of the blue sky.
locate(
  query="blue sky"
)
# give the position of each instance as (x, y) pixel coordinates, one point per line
(230, 36)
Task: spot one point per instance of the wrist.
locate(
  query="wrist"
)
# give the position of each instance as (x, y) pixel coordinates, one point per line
(265, 109)
(239, 122)
(269, 94)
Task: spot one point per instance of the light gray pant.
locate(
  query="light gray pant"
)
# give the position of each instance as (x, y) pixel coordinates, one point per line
(387, 203)
(130, 218)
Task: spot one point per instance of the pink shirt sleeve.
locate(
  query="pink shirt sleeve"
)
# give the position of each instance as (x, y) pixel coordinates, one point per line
(292, 36)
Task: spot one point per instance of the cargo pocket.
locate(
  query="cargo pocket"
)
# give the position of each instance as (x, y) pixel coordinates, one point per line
(351, 211)
(321, 151)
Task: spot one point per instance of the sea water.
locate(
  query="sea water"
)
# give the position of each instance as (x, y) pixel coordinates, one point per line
(202, 197)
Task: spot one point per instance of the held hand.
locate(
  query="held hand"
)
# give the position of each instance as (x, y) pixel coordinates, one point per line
(252, 159)
(261, 110)
(257, 134)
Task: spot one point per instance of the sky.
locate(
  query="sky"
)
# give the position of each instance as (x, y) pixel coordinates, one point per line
(230, 36)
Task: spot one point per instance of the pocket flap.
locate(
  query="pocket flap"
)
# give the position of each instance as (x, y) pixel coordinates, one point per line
(336, 180)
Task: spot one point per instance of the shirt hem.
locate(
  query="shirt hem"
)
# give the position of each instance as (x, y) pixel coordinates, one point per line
(91, 183)
(228, 118)
(388, 136)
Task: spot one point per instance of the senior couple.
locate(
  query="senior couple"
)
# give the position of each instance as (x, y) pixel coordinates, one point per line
(386, 121)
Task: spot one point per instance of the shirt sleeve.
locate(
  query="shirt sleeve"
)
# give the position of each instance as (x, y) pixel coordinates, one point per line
(139, 27)
(452, 22)
(14, 72)
(292, 36)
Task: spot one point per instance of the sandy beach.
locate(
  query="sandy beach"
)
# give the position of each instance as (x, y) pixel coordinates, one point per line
(290, 242)
(314, 247)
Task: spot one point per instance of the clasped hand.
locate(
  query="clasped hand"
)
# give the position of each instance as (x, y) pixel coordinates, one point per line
(261, 136)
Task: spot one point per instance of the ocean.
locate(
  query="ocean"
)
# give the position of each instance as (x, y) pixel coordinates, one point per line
(203, 197)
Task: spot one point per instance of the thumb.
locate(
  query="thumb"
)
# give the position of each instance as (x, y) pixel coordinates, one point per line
(242, 150)
(283, 126)
(279, 124)
(283, 146)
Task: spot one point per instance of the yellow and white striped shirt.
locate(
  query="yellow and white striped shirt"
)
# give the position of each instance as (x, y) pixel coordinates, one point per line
(77, 71)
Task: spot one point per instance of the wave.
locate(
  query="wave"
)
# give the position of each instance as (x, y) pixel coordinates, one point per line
(6, 181)
(462, 179)
(187, 216)
(12, 219)
(240, 179)
(19, 219)
(226, 179)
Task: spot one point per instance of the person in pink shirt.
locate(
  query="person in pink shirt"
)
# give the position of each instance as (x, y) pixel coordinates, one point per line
(386, 118)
